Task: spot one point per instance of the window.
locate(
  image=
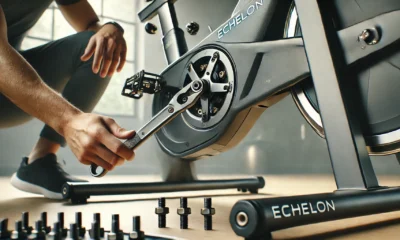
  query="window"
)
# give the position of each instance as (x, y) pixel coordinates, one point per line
(121, 11)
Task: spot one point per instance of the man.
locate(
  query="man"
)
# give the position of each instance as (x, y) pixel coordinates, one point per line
(79, 67)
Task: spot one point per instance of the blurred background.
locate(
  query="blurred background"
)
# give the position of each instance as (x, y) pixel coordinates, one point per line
(281, 142)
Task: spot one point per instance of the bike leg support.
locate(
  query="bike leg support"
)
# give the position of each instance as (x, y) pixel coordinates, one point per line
(79, 192)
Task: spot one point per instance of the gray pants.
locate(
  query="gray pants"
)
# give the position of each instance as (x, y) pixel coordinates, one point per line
(58, 64)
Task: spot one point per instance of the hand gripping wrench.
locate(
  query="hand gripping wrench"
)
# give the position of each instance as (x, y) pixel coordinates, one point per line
(183, 100)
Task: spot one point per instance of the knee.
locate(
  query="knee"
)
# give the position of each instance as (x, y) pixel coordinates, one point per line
(82, 39)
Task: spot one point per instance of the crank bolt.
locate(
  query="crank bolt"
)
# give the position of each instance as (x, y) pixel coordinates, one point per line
(171, 110)
(184, 211)
(207, 212)
(161, 211)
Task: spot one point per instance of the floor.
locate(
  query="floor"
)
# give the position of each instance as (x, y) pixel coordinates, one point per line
(382, 226)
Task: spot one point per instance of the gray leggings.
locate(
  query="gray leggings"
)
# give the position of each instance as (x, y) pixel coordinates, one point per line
(58, 64)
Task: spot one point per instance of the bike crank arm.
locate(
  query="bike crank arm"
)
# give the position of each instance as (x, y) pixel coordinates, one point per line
(183, 100)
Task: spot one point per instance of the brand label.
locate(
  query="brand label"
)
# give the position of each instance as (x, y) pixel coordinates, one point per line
(241, 17)
(306, 208)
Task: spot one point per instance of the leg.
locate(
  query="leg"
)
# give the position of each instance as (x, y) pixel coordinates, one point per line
(59, 65)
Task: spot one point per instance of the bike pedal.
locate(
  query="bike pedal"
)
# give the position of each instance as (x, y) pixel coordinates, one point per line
(142, 82)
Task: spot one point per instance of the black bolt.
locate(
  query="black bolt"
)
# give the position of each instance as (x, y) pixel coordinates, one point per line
(162, 211)
(95, 231)
(115, 227)
(73, 232)
(64, 231)
(192, 28)
(96, 218)
(150, 28)
(184, 211)
(56, 232)
(78, 221)
(19, 233)
(40, 234)
(4, 232)
(207, 212)
(43, 217)
(136, 233)
(25, 223)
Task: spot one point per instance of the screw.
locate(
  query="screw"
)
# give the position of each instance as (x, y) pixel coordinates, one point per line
(73, 232)
(171, 110)
(184, 99)
(203, 67)
(207, 212)
(161, 211)
(25, 222)
(184, 211)
(221, 74)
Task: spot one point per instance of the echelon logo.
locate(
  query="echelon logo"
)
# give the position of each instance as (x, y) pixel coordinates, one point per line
(234, 22)
(306, 208)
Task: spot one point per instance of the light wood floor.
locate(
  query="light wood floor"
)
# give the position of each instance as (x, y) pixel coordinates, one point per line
(382, 226)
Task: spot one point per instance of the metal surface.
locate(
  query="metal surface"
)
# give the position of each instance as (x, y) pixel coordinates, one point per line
(191, 93)
(79, 192)
(271, 214)
(348, 152)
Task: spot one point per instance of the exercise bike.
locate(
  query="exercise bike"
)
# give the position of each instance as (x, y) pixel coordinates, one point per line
(340, 61)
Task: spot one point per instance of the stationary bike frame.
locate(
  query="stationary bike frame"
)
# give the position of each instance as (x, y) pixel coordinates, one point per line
(273, 65)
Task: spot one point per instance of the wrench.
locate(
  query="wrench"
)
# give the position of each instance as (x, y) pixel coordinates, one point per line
(181, 101)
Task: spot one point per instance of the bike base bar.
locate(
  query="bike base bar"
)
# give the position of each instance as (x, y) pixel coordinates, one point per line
(257, 218)
(80, 192)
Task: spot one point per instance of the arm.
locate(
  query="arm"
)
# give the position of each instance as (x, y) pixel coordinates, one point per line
(20, 83)
(108, 44)
(92, 138)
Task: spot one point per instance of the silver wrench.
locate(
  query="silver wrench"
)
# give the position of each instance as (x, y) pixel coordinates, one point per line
(182, 100)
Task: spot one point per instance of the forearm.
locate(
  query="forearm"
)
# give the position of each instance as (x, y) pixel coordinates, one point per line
(20, 83)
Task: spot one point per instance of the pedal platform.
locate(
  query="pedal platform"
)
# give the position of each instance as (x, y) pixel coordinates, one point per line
(142, 82)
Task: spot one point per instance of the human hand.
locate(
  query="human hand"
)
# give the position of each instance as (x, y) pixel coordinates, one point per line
(94, 139)
(109, 49)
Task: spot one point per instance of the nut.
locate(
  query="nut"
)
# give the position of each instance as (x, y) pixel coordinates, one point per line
(184, 211)
(207, 211)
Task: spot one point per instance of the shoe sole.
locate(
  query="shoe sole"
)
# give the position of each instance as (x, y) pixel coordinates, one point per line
(31, 188)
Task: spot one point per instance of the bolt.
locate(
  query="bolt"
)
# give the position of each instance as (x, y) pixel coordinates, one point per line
(96, 218)
(184, 211)
(73, 232)
(43, 217)
(215, 56)
(184, 99)
(170, 109)
(200, 112)
(215, 110)
(25, 222)
(4, 232)
(221, 74)
(207, 212)
(203, 67)
(161, 211)
(136, 233)
(78, 221)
